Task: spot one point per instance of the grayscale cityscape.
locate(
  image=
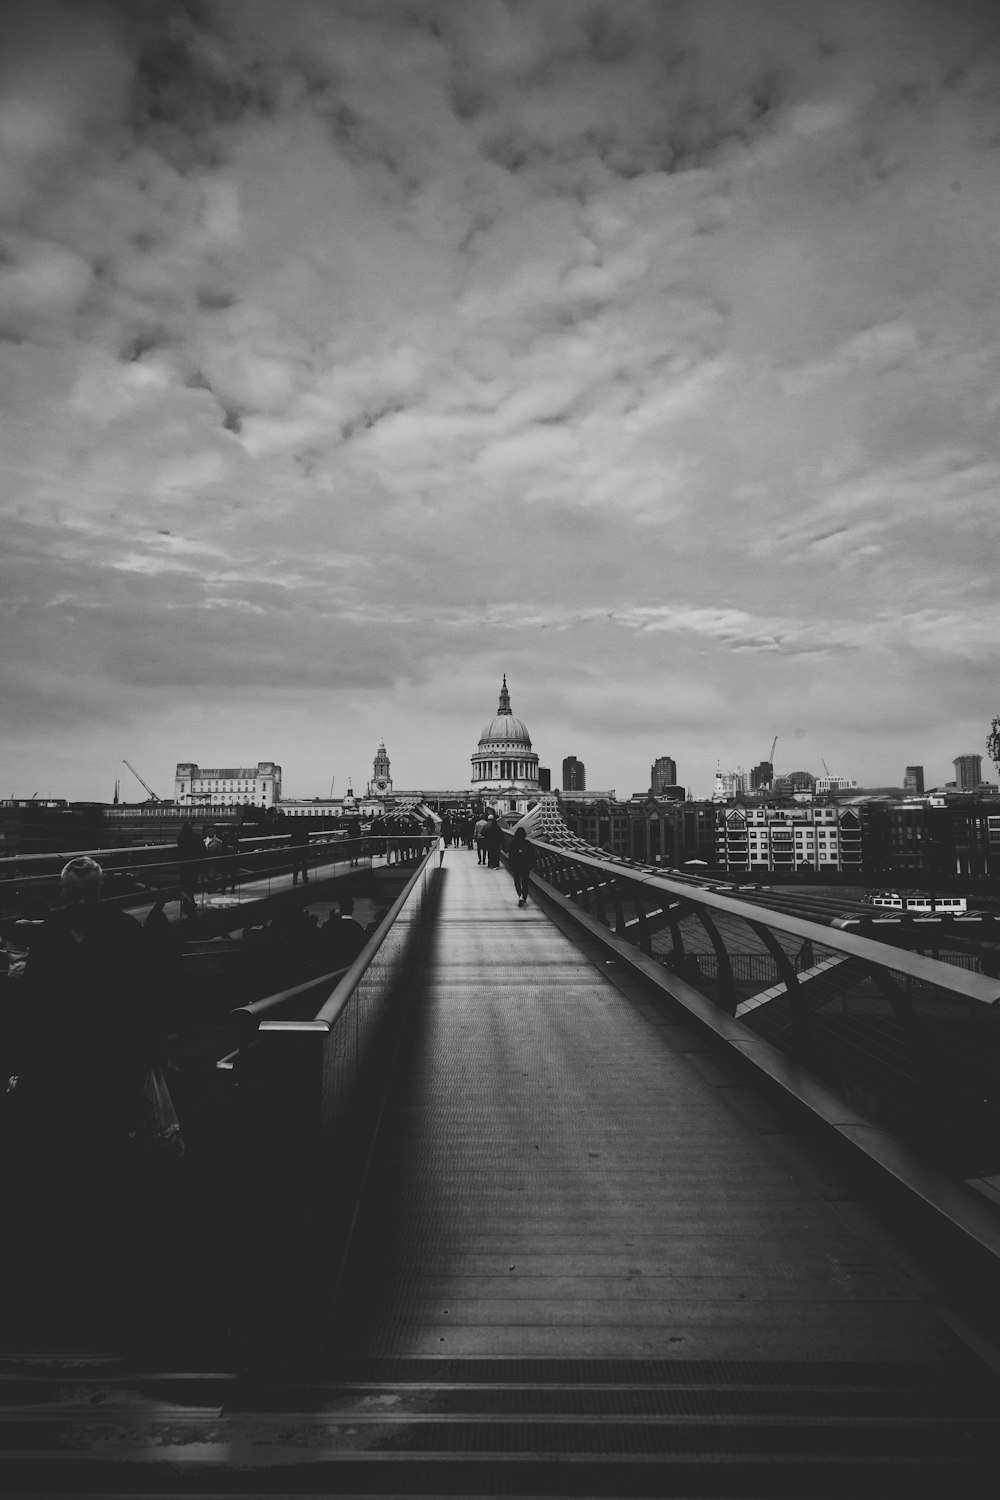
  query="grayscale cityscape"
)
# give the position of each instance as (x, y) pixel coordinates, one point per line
(500, 774)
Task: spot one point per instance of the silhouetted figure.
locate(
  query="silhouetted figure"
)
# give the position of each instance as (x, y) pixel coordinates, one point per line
(230, 866)
(347, 936)
(191, 853)
(378, 918)
(492, 841)
(213, 848)
(522, 861)
(298, 838)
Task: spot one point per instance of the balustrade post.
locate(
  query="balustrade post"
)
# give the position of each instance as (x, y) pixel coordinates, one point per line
(725, 981)
(801, 1011)
(676, 936)
(645, 938)
(620, 928)
(583, 891)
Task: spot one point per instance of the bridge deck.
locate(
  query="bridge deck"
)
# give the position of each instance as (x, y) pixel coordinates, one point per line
(564, 1170)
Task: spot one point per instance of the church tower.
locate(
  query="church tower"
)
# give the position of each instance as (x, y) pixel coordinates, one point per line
(381, 782)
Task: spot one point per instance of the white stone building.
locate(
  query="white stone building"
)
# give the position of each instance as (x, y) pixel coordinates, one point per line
(777, 839)
(504, 767)
(224, 786)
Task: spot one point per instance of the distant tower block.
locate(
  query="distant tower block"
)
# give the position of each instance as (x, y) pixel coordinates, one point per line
(968, 772)
(662, 773)
(913, 781)
(574, 775)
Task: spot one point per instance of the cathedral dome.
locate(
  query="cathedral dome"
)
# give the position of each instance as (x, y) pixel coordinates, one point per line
(504, 728)
(504, 767)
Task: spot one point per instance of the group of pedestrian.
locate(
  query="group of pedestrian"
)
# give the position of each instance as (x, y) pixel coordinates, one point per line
(395, 836)
(458, 830)
(209, 859)
(295, 945)
(488, 839)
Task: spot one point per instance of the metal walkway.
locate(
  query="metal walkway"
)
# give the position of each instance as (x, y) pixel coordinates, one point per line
(588, 1261)
(566, 1171)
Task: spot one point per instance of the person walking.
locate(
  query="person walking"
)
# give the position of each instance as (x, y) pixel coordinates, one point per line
(298, 840)
(213, 848)
(522, 861)
(492, 841)
(479, 834)
(231, 850)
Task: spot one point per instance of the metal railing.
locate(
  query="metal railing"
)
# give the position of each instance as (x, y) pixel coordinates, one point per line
(308, 1067)
(913, 1040)
(134, 878)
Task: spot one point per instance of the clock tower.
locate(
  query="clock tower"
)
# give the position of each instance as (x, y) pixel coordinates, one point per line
(381, 782)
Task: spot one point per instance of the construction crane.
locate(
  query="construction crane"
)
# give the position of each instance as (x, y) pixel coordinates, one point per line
(152, 795)
(826, 768)
(774, 746)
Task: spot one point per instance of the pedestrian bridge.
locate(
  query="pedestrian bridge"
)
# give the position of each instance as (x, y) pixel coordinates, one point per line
(520, 1210)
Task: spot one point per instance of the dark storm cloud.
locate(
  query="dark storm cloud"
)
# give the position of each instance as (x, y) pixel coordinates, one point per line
(356, 348)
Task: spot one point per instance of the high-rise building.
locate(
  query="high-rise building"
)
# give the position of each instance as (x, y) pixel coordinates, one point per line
(913, 781)
(761, 775)
(968, 772)
(794, 781)
(574, 775)
(545, 778)
(662, 773)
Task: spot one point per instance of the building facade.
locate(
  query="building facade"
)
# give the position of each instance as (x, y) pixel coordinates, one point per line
(794, 783)
(729, 784)
(761, 775)
(574, 775)
(913, 781)
(662, 773)
(968, 772)
(825, 784)
(224, 786)
(781, 840)
(504, 766)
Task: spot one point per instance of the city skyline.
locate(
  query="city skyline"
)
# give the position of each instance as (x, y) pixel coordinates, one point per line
(352, 355)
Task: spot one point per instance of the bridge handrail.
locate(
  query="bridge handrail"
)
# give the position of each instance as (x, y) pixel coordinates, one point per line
(170, 859)
(168, 878)
(339, 997)
(248, 1018)
(970, 986)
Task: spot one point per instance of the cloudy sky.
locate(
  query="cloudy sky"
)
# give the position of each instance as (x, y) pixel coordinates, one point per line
(356, 352)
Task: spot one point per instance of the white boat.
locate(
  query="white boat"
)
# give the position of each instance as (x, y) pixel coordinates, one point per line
(918, 903)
